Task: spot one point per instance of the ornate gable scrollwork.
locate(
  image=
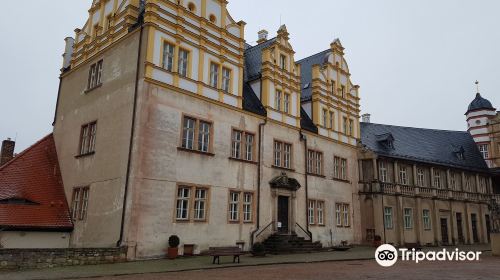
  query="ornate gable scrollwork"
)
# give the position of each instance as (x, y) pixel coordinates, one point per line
(285, 182)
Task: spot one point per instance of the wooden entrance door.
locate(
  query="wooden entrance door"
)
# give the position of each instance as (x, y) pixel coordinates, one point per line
(444, 231)
(283, 206)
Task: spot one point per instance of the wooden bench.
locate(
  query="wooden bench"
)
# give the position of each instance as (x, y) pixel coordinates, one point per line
(217, 252)
(415, 246)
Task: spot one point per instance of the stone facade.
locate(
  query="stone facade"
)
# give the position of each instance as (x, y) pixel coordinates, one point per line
(18, 259)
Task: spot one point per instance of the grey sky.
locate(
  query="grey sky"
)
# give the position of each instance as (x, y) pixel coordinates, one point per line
(416, 61)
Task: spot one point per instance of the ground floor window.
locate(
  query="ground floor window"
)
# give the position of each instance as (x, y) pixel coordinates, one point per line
(241, 205)
(426, 216)
(80, 203)
(191, 203)
(408, 218)
(388, 222)
(342, 214)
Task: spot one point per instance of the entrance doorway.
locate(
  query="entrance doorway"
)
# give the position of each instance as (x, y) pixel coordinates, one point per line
(475, 235)
(283, 214)
(460, 229)
(444, 231)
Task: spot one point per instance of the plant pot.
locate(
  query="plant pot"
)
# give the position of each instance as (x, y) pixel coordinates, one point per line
(172, 253)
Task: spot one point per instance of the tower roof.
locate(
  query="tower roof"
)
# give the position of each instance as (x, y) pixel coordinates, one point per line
(479, 103)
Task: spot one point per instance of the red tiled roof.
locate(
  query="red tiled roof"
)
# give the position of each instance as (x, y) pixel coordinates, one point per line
(34, 176)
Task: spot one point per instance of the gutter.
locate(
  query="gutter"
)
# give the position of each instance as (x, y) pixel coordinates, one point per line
(132, 133)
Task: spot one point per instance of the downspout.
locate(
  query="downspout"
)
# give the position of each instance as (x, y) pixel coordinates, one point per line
(132, 133)
(304, 138)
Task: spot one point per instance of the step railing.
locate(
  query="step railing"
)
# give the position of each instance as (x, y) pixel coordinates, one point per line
(264, 233)
(302, 232)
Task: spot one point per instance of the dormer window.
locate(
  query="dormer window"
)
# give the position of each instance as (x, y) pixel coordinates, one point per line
(387, 140)
(460, 153)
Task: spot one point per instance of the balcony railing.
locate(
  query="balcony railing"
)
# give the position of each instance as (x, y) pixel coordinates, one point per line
(445, 194)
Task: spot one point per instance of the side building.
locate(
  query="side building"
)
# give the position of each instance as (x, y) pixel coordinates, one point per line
(423, 186)
(170, 123)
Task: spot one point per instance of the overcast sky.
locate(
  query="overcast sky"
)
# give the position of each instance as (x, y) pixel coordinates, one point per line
(416, 61)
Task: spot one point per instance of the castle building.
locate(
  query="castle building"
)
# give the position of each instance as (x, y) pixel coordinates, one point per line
(423, 186)
(168, 122)
(483, 123)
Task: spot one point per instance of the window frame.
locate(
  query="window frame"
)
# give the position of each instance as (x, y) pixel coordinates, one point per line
(484, 149)
(403, 175)
(94, 79)
(226, 80)
(420, 177)
(286, 103)
(191, 203)
(214, 73)
(408, 218)
(340, 168)
(240, 206)
(196, 135)
(87, 142)
(284, 155)
(244, 146)
(383, 171)
(314, 162)
(79, 207)
(278, 98)
(388, 217)
(426, 219)
(181, 68)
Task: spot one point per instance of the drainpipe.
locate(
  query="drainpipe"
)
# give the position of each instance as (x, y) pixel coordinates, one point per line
(132, 130)
(304, 138)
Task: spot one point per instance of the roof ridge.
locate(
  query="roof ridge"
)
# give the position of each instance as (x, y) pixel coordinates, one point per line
(251, 47)
(410, 127)
(25, 151)
(308, 57)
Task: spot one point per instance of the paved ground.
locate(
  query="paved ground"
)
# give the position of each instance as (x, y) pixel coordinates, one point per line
(488, 268)
(326, 265)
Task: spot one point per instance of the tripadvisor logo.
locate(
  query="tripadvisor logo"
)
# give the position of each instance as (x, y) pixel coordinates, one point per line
(387, 255)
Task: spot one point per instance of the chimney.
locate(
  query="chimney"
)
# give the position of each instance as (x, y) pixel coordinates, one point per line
(262, 36)
(68, 52)
(7, 152)
(366, 118)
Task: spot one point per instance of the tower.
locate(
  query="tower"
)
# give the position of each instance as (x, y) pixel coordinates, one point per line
(478, 117)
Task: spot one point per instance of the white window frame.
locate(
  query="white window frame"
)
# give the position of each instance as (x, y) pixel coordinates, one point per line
(388, 218)
(168, 57)
(426, 218)
(183, 63)
(183, 203)
(226, 80)
(408, 218)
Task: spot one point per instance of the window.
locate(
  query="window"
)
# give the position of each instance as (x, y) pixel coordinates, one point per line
(333, 87)
(420, 177)
(351, 128)
(344, 125)
(484, 149)
(346, 213)
(342, 214)
(437, 179)
(95, 75)
(339, 168)
(426, 215)
(187, 204)
(325, 117)
(314, 162)
(403, 176)
(191, 126)
(332, 120)
(312, 206)
(168, 57)
(282, 154)
(200, 203)
(214, 75)
(183, 195)
(468, 183)
(453, 181)
(320, 214)
(242, 145)
(343, 91)
(382, 168)
(338, 214)
(239, 199)
(408, 218)
(388, 218)
(88, 138)
(277, 100)
(247, 207)
(482, 185)
(283, 62)
(226, 80)
(80, 203)
(286, 103)
(183, 63)
(234, 200)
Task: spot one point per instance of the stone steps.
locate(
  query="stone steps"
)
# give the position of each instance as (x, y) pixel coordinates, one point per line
(290, 243)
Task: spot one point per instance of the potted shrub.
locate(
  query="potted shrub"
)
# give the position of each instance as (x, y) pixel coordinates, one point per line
(377, 241)
(173, 247)
(258, 250)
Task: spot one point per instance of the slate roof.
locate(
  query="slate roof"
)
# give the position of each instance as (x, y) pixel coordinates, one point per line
(431, 146)
(479, 103)
(306, 65)
(306, 122)
(251, 102)
(34, 177)
(253, 60)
